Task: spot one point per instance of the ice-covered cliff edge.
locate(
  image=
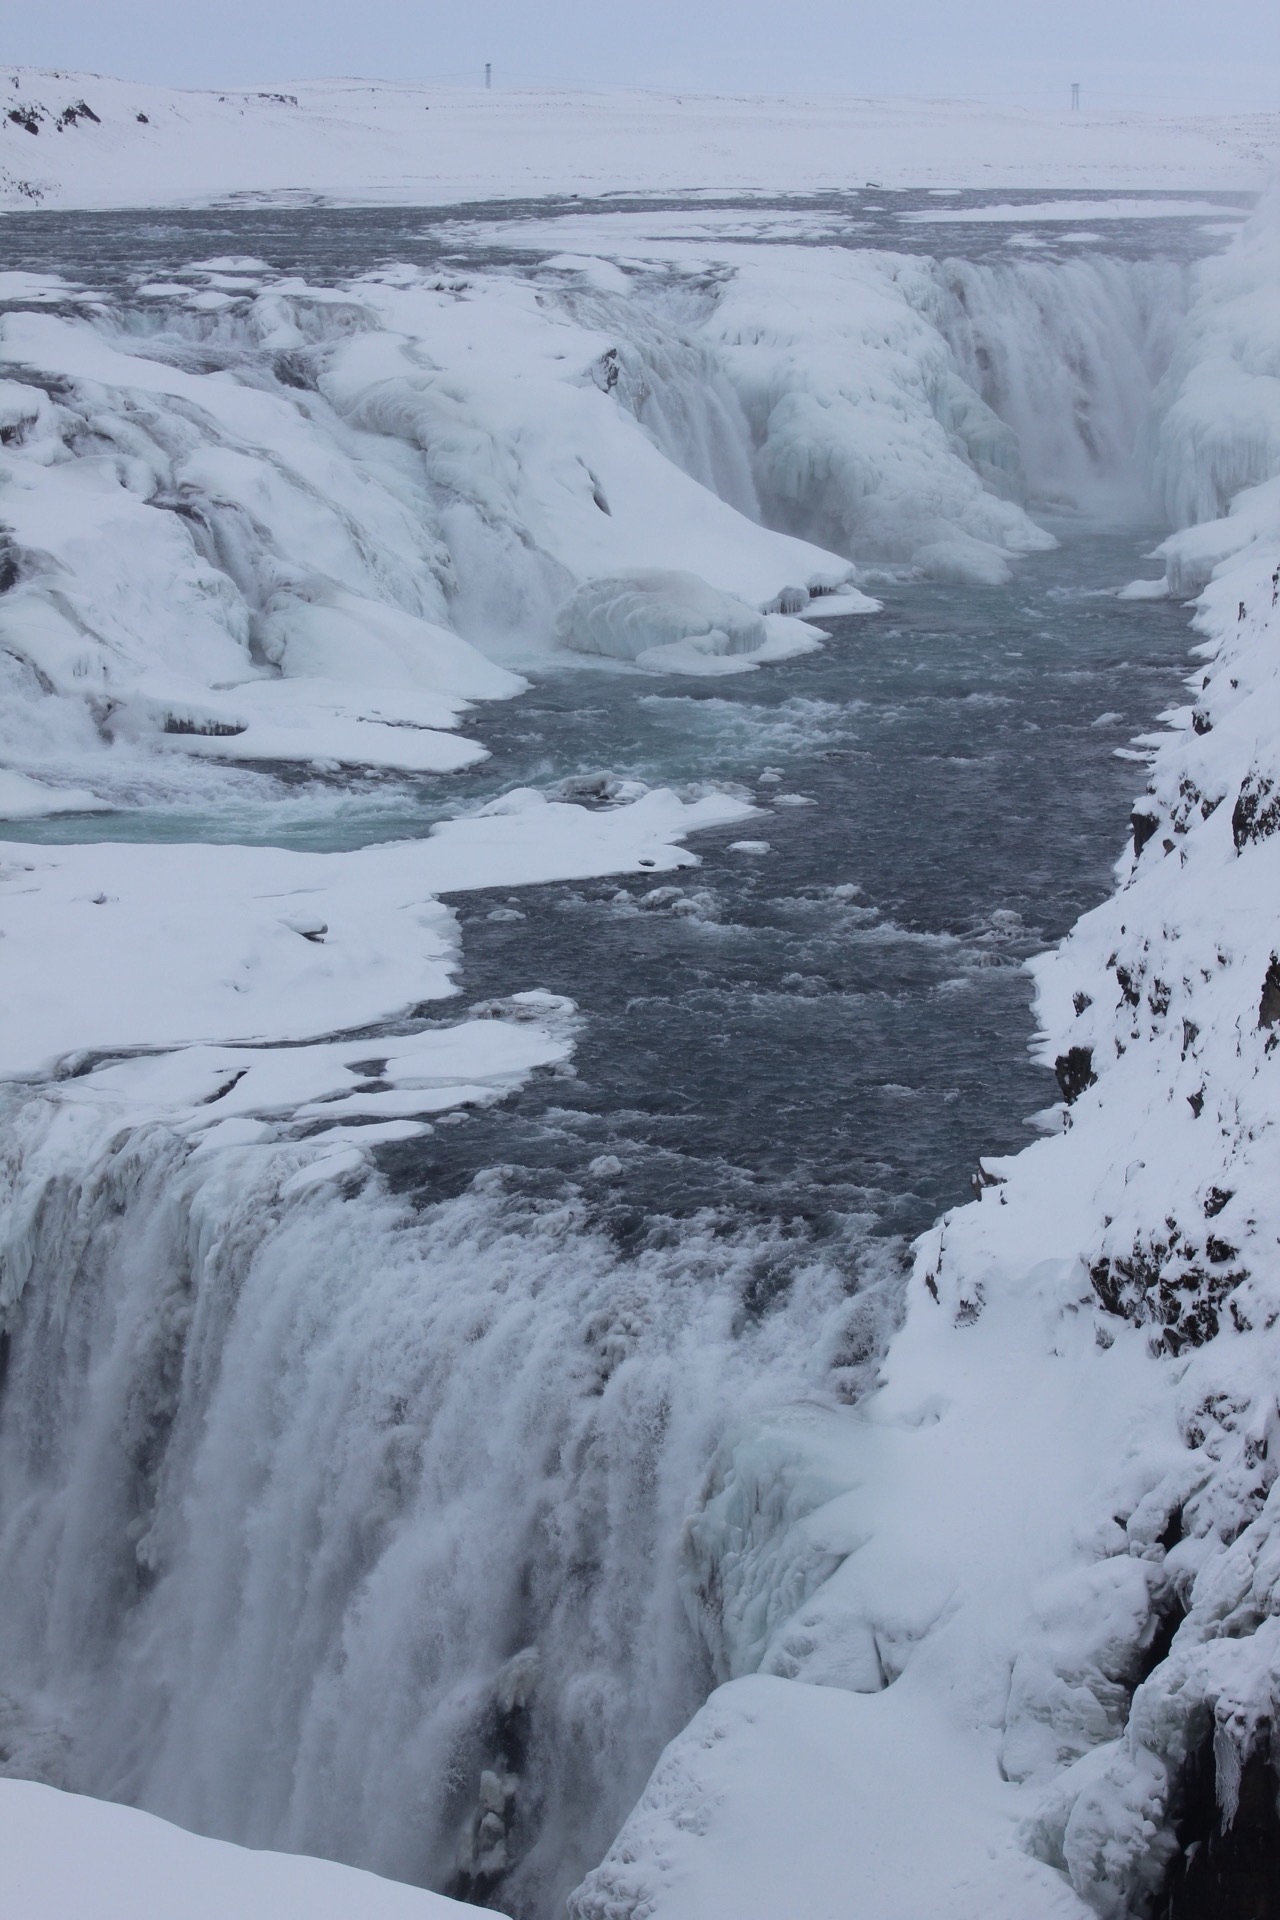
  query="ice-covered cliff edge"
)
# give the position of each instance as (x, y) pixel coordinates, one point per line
(1005, 1643)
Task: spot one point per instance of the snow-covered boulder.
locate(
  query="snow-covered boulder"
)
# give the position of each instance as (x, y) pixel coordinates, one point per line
(627, 616)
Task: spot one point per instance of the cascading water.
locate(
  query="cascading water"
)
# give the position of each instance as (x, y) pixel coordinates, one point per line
(352, 1523)
(1069, 356)
(324, 1510)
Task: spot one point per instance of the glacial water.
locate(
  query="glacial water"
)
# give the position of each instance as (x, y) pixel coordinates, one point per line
(313, 1515)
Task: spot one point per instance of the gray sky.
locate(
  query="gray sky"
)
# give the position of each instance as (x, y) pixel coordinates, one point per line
(1149, 53)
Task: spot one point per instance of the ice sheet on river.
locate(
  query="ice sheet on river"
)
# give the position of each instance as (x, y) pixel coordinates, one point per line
(133, 946)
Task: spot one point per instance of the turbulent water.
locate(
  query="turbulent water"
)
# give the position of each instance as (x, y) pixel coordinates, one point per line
(342, 1525)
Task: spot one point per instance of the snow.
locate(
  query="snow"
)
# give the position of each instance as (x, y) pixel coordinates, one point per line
(399, 143)
(130, 946)
(1033, 211)
(666, 619)
(70, 1858)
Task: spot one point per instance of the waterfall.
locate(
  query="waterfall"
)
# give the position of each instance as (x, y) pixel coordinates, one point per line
(1070, 356)
(321, 1516)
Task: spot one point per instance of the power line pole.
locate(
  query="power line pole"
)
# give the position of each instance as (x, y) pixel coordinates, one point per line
(488, 74)
(1075, 96)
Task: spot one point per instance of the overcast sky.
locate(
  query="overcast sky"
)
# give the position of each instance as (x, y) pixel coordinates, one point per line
(1153, 53)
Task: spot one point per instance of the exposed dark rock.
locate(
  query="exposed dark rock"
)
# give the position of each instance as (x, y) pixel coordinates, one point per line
(1162, 1283)
(1215, 1200)
(24, 117)
(214, 729)
(80, 110)
(1080, 1001)
(1074, 1072)
(1224, 1870)
(1256, 814)
(1144, 826)
(1168, 1617)
(1269, 1006)
(1128, 986)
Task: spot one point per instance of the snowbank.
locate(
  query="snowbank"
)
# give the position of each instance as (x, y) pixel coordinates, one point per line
(64, 1855)
(82, 140)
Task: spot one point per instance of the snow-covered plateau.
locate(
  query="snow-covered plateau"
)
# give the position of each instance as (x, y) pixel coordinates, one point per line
(85, 140)
(484, 1528)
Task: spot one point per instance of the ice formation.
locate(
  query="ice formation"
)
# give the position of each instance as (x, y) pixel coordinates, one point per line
(250, 520)
(1028, 1581)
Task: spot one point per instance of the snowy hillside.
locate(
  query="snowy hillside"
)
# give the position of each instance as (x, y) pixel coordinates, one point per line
(82, 140)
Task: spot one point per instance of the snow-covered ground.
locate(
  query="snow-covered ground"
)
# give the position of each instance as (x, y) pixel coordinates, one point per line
(1022, 1597)
(70, 1858)
(357, 141)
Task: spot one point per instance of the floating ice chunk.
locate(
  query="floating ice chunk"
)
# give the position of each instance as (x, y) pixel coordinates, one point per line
(963, 559)
(630, 614)
(1145, 590)
(749, 846)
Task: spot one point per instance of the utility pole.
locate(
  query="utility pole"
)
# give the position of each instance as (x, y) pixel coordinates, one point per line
(1075, 96)
(488, 75)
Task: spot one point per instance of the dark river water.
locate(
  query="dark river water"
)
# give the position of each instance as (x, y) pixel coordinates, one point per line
(840, 1023)
(325, 244)
(837, 1025)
